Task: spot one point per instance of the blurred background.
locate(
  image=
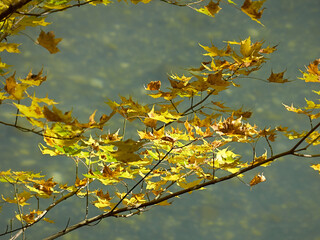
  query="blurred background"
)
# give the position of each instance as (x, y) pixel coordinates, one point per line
(116, 50)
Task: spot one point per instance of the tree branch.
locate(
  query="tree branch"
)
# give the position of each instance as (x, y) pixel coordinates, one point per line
(12, 8)
(114, 213)
(41, 216)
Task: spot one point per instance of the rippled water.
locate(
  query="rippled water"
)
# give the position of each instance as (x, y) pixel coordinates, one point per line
(117, 49)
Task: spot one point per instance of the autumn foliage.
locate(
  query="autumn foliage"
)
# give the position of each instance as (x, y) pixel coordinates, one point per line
(183, 139)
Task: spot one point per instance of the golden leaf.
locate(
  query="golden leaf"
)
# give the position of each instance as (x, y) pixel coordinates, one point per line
(252, 9)
(277, 77)
(34, 79)
(15, 89)
(316, 167)
(48, 41)
(313, 74)
(257, 179)
(153, 86)
(55, 115)
(9, 47)
(211, 9)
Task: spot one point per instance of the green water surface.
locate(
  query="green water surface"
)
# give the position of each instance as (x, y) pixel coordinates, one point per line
(118, 49)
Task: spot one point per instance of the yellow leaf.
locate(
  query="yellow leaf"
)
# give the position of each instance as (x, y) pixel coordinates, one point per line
(82, 182)
(3, 65)
(29, 218)
(48, 41)
(34, 79)
(190, 184)
(277, 77)
(261, 159)
(316, 167)
(22, 198)
(126, 150)
(173, 177)
(48, 220)
(62, 135)
(16, 90)
(153, 85)
(45, 100)
(91, 118)
(137, 1)
(55, 115)
(211, 9)
(294, 109)
(164, 203)
(213, 51)
(44, 188)
(313, 74)
(165, 117)
(252, 9)
(245, 47)
(9, 47)
(34, 111)
(268, 49)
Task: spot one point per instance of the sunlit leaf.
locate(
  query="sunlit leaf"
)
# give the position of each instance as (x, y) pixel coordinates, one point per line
(316, 167)
(211, 9)
(257, 179)
(277, 77)
(253, 9)
(9, 47)
(154, 85)
(48, 41)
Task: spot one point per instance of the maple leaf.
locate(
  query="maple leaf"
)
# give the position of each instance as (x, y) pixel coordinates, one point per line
(186, 185)
(316, 167)
(313, 74)
(28, 218)
(294, 109)
(48, 41)
(252, 9)
(82, 182)
(213, 51)
(268, 49)
(22, 198)
(55, 115)
(211, 9)
(34, 79)
(277, 77)
(164, 203)
(217, 81)
(250, 50)
(262, 158)
(91, 118)
(126, 150)
(43, 188)
(153, 85)
(104, 2)
(62, 135)
(257, 179)
(313, 67)
(235, 128)
(9, 47)
(270, 133)
(165, 117)
(16, 90)
(103, 200)
(138, 1)
(241, 113)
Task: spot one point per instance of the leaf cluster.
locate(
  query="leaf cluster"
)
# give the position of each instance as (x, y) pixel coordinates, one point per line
(186, 138)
